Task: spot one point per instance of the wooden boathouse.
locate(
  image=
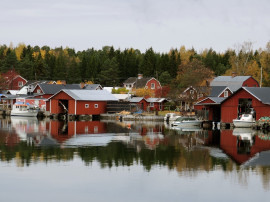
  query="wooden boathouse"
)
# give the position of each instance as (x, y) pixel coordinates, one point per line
(225, 109)
(79, 102)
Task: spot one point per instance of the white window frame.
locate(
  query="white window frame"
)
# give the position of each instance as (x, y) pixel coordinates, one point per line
(20, 83)
(86, 105)
(38, 91)
(191, 92)
(226, 93)
(96, 106)
(152, 104)
(153, 85)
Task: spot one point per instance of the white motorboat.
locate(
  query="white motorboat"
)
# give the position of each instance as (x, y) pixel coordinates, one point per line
(21, 109)
(170, 117)
(245, 121)
(187, 122)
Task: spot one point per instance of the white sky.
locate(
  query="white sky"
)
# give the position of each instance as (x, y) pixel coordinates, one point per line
(140, 24)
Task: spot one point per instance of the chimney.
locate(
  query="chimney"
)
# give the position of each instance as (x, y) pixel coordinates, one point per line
(82, 84)
(234, 74)
(140, 76)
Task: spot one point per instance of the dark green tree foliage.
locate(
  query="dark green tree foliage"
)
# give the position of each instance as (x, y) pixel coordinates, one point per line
(88, 65)
(109, 73)
(148, 64)
(10, 61)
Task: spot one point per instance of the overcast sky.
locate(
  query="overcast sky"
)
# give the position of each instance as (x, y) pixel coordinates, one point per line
(140, 24)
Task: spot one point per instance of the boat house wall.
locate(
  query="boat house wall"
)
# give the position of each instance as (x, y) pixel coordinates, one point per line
(75, 107)
(229, 108)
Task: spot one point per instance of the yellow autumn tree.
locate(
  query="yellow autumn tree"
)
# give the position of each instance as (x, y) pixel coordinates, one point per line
(185, 55)
(19, 50)
(142, 92)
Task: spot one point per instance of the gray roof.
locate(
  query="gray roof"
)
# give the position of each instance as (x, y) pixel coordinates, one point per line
(90, 95)
(54, 88)
(260, 159)
(138, 83)
(217, 100)
(136, 99)
(92, 86)
(217, 90)
(234, 83)
(155, 99)
(261, 94)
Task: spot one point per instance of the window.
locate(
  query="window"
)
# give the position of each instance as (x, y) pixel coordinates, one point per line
(226, 94)
(152, 86)
(151, 104)
(191, 92)
(95, 129)
(96, 106)
(38, 91)
(86, 129)
(20, 83)
(86, 105)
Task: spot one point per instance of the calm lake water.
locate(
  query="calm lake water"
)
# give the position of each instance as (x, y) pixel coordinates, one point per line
(113, 161)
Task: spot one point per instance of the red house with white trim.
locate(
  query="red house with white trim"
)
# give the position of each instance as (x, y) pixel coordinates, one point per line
(143, 82)
(12, 80)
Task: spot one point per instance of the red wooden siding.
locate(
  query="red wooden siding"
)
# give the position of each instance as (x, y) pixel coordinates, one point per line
(251, 82)
(91, 107)
(80, 108)
(36, 90)
(230, 106)
(229, 93)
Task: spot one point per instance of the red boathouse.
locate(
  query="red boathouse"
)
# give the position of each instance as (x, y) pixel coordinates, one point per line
(79, 102)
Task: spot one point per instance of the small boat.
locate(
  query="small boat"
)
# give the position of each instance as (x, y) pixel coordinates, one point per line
(187, 122)
(170, 117)
(21, 109)
(244, 121)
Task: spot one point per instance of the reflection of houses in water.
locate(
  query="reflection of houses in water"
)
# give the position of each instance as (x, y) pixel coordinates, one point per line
(62, 131)
(242, 145)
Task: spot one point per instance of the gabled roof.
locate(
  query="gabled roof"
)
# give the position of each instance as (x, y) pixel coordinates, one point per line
(216, 100)
(262, 94)
(156, 99)
(54, 88)
(92, 86)
(216, 91)
(136, 99)
(234, 83)
(138, 83)
(89, 95)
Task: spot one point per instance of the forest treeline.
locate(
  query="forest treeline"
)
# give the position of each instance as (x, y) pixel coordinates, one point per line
(178, 68)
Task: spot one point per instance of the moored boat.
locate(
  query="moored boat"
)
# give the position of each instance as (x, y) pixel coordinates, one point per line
(21, 109)
(187, 122)
(245, 121)
(170, 117)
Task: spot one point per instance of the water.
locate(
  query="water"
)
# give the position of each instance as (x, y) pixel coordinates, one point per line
(113, 161)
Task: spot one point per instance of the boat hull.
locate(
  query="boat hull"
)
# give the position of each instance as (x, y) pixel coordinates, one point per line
(24, 113)
(243, 124)
(187, 124)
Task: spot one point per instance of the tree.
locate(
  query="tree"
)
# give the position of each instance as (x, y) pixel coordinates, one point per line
(192, 74)
(165, 78)
(109, 73)
(142, 92)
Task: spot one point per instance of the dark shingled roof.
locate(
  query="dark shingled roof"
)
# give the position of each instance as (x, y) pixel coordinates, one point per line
(139, 83)
(217, 90)
(260, 93)
(54, 88)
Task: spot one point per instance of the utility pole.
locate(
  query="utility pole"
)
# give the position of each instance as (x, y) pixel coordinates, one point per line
(261, 78)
